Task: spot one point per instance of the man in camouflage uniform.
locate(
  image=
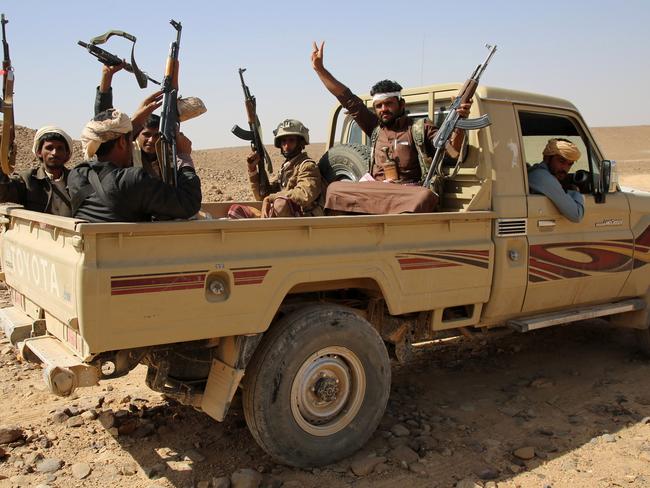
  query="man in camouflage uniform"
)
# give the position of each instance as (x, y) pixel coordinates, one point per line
(43, 189)
(400, 146)
(298, 190)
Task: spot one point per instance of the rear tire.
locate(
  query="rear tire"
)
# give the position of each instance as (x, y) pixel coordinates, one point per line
(317, 386)
(345, 162)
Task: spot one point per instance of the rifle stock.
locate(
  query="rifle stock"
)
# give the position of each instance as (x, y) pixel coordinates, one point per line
(7, 143)
(110, 59)
(254, 135)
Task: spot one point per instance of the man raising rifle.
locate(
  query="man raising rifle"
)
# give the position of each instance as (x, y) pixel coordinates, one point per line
(396, 155)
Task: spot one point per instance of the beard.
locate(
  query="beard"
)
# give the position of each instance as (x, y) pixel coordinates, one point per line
(391, 121)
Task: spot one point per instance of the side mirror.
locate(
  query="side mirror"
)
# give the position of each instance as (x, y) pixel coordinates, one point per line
(608, 181)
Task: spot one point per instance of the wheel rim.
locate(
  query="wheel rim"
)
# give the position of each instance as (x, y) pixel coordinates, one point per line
(328, 390)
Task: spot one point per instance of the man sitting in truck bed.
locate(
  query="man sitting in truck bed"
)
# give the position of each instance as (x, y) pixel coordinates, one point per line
(112, 190)
(43, 189)
(549, 178)
(393, 134)
(298, 191)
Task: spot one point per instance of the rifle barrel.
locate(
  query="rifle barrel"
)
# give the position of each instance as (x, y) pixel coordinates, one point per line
(492, 49)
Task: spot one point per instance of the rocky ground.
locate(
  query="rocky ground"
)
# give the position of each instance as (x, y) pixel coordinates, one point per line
(565, 407)
(561, 407)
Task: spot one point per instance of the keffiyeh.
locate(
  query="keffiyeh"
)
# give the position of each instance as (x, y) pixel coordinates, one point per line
(106, 126)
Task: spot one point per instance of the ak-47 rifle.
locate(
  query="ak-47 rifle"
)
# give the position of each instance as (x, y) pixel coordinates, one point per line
(169, 123)
(254, 135)
(7, 146)
(453, 120)
(110, 59)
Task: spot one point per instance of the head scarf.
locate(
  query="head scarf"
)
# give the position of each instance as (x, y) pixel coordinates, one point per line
(51, 129)
(558, 147)
(106, 126)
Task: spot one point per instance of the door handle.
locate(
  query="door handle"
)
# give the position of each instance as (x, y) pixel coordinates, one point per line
(546, 223)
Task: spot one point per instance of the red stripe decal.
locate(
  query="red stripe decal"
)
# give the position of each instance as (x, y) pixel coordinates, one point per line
(422, 263)
(250, 276)
(157, 281)
(130, 291)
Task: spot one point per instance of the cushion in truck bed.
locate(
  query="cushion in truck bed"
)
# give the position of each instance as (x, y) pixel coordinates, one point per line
(375, 198)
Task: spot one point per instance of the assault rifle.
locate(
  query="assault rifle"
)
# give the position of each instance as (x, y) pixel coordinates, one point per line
(7, 146)
(453, 120)
(110, 59)
(169, 123)
(254, 135)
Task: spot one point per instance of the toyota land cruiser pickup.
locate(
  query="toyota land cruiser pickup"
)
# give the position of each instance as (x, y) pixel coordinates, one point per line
(302, 313)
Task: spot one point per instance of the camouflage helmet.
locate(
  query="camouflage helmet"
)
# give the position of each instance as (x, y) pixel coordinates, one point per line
(291, 127)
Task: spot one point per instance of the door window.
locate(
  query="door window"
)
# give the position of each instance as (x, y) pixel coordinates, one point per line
(537, 128)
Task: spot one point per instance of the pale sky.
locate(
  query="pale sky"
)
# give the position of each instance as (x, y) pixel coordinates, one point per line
(594, 53)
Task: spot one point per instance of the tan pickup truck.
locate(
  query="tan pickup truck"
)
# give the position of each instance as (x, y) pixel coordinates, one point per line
(302, 313)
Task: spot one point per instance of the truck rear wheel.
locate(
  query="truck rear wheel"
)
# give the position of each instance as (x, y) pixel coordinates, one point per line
(317, 386)
(345, 162)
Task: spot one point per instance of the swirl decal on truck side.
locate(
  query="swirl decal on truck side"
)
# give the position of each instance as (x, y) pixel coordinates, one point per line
(546, 262)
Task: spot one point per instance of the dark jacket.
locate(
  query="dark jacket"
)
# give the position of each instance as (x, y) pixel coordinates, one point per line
(131, 195)
(32, 189)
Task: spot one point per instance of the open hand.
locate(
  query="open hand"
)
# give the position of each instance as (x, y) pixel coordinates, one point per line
(146, 108)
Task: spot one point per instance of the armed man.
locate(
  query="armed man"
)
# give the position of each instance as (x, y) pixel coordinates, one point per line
(396, 155)
(146, 124)
(43, 189)
(112, 190)
(549, 177)
(298, 191)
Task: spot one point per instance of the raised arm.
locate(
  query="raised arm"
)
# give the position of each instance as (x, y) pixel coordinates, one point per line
(104, 95)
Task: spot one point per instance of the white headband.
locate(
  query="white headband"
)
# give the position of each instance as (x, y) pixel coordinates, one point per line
(377, 97)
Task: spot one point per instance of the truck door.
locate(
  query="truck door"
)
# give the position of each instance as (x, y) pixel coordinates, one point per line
(572, 263)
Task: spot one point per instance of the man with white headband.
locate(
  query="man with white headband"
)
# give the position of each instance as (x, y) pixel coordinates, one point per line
(396, 139)
(549, 178)
(111, 189)
(43, 189)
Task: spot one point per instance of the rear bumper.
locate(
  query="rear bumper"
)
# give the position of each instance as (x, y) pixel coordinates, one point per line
(63, 372)
(16, 324)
